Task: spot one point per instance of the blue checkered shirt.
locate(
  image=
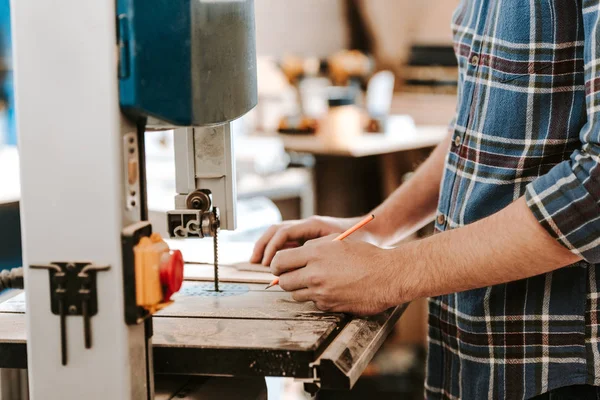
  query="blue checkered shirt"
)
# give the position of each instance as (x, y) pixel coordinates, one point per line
(527, 124)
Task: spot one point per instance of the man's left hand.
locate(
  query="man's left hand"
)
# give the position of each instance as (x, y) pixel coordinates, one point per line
(339, 276)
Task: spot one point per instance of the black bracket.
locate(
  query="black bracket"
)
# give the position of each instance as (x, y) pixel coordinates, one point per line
(130, 237)
(73, 292)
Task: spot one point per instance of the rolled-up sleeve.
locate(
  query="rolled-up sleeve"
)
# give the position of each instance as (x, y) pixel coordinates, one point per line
(566, 201)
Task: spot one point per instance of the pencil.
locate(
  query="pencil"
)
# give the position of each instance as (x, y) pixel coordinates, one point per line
(343, 236)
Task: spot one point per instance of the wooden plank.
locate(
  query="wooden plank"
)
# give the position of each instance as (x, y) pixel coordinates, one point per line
(207, 346)
(217, 333)
(197, 272)
(369, 144)
(250, 267)
(233, 261)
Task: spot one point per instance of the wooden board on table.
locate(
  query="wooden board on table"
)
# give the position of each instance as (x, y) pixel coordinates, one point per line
(200, 251)
(242, 266)
(250, 267)
(233, 261)
(205, 272)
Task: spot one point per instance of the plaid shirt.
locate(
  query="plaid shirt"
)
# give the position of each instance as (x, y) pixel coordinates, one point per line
(527, 124)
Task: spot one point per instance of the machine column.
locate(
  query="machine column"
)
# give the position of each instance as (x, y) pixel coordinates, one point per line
(75, 196)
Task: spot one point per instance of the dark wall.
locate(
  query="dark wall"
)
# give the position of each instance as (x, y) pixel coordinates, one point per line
(10, 236)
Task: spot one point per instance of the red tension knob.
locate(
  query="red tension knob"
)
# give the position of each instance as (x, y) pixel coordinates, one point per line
(171, 274)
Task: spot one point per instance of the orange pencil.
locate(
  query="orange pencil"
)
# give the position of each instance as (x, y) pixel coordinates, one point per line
(343, 236)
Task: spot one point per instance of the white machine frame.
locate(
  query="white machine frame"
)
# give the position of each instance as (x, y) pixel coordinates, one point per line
(71, 130)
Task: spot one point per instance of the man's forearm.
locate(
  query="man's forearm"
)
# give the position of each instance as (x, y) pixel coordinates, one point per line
(508, 246)
(413, 204)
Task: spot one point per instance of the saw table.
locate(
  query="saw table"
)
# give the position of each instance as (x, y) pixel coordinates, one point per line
(243, 331)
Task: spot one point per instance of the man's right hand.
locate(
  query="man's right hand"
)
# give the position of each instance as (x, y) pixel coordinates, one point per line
(294, 233)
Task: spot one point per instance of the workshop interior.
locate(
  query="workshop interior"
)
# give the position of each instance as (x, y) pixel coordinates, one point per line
(145, 145)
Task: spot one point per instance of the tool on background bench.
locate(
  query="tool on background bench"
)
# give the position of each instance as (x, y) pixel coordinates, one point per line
(343, 236)
(11, 279)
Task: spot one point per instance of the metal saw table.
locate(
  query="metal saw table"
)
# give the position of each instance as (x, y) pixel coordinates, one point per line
(244, 331)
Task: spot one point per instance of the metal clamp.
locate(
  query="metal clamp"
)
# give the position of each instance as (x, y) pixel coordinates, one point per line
(312, 385)
(73, 292)
(192, 223)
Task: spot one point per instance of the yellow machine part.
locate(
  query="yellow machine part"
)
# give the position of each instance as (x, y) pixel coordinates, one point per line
(149, 254)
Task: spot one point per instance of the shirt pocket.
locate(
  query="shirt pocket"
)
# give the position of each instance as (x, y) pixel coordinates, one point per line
(536, 46)
(511, 70)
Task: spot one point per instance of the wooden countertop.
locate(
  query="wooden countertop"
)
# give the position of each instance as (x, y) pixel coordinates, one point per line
(370, 144)
(431, 114)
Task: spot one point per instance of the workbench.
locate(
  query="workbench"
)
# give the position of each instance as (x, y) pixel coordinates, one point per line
(244, 331)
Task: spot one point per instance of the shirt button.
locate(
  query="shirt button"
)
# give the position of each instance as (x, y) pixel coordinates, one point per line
(457, 140)
(441, 219)
(475, 60)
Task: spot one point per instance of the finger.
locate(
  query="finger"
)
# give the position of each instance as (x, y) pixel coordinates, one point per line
(291, 245)
(295, 280)
(322, 306)
(303, 295)
(259, 247)
(290, 260)
(287, 234)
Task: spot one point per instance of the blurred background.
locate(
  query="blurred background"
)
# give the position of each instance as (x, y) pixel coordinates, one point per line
(353, 95)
